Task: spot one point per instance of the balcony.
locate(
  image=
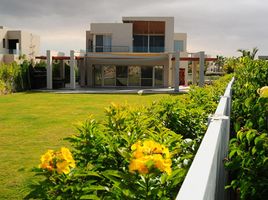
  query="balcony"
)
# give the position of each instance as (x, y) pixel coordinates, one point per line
(109, 49)
(151, 49)
(13, 51)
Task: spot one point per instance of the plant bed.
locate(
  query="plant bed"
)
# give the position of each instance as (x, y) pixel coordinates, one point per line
(134, 153)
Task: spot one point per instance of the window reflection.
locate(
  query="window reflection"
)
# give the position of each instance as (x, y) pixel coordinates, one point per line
(134, 74)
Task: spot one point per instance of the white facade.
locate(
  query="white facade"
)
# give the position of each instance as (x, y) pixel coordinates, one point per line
(144, 44)
(122, 35)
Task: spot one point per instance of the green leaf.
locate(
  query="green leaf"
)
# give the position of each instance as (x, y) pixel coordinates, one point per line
(92, 196)
(250, 135)
(94, 188)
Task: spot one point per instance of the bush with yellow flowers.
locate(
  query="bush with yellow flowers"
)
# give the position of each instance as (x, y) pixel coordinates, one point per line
(60, 161)
(150, 155)
(133, 153)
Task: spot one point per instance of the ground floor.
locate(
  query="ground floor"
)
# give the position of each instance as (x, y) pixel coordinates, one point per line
(120, 70)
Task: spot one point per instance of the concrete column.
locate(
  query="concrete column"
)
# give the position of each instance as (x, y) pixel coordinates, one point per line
(177, 72)
(194, 72)
(62, 70)
(82, 67)
(89, 76)
(72, 69)
(94, 43)
(201, 69)
(49, 70)
(170, 77)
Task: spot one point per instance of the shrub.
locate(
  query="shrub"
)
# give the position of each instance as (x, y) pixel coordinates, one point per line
(247, 159)
(134, 153)
(14, 77)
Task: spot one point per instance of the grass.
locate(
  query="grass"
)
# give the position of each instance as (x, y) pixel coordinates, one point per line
(31, 123)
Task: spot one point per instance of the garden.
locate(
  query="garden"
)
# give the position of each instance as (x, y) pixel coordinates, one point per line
(141, 149)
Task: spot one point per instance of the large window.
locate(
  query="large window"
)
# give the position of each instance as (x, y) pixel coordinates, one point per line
(146, 76)
(158, 75)
(148, 36)
(121, 75)
(134, 74)
(103, 43)
(97, 75)
(140, 43)
(109, 75)
(157, 43)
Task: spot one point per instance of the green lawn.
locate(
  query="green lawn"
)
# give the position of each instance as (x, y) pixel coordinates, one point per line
(31, 123)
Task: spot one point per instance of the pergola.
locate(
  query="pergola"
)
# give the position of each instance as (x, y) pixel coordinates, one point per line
(172, 57)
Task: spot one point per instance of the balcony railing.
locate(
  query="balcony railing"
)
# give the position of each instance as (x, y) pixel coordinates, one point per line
(126, 49)
(108, 49)
(151, 49)
(206, 177)
(13, 51)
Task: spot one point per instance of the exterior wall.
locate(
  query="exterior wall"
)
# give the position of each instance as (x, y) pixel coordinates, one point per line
(169, 28)
(29, 44)
(182, 37)
(121, 33)
(3, 35)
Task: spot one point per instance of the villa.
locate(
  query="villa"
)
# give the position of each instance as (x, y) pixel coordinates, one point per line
(135, 53)
(139, 52)
(14, 43)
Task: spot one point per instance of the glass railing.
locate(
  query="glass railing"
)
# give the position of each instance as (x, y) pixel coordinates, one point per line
(151, 49)
(108, 49)
(13, 51)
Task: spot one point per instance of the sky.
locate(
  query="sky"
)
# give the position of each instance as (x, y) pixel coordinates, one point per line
(218, 27)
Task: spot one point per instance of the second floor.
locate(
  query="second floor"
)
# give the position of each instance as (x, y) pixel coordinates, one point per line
(136, 34)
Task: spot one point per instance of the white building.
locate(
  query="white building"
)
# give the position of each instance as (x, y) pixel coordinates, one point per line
(134, 53)
(17, 42)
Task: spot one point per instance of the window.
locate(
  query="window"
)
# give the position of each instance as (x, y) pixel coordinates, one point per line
(146, 76)
(121, 75)
(158, 77)
(157, 43)
(134, 74)
(140, 43)
(4, 43)
(103, 43)
(109, 75)
(178, 45)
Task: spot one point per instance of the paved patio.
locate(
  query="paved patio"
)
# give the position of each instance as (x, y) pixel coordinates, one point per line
(182, 89)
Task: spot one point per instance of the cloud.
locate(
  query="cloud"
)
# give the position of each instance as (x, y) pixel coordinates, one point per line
(215, 26)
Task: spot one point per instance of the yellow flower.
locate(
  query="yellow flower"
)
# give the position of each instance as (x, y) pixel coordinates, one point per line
(63, 167)
(263, 92)
(47, 160)
(48, 156)
(60, 160)
(67, 155)
(136, 145)
(138, 165)
(150, 154)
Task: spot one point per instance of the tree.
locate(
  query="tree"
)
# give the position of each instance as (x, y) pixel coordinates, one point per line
(248, 53)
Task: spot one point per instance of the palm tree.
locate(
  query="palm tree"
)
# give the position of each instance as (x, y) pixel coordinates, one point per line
(248, 53)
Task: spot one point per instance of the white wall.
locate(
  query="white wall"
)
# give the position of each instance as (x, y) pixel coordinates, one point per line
(3, 35)
(121, 33)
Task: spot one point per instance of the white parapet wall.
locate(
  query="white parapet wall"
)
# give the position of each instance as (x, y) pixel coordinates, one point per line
(206, 177)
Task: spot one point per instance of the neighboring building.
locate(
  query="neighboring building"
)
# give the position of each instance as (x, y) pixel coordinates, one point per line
(135, 53)
(14, 43)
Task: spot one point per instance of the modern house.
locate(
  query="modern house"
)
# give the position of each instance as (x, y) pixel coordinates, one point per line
(14, 43)
(135, 53)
